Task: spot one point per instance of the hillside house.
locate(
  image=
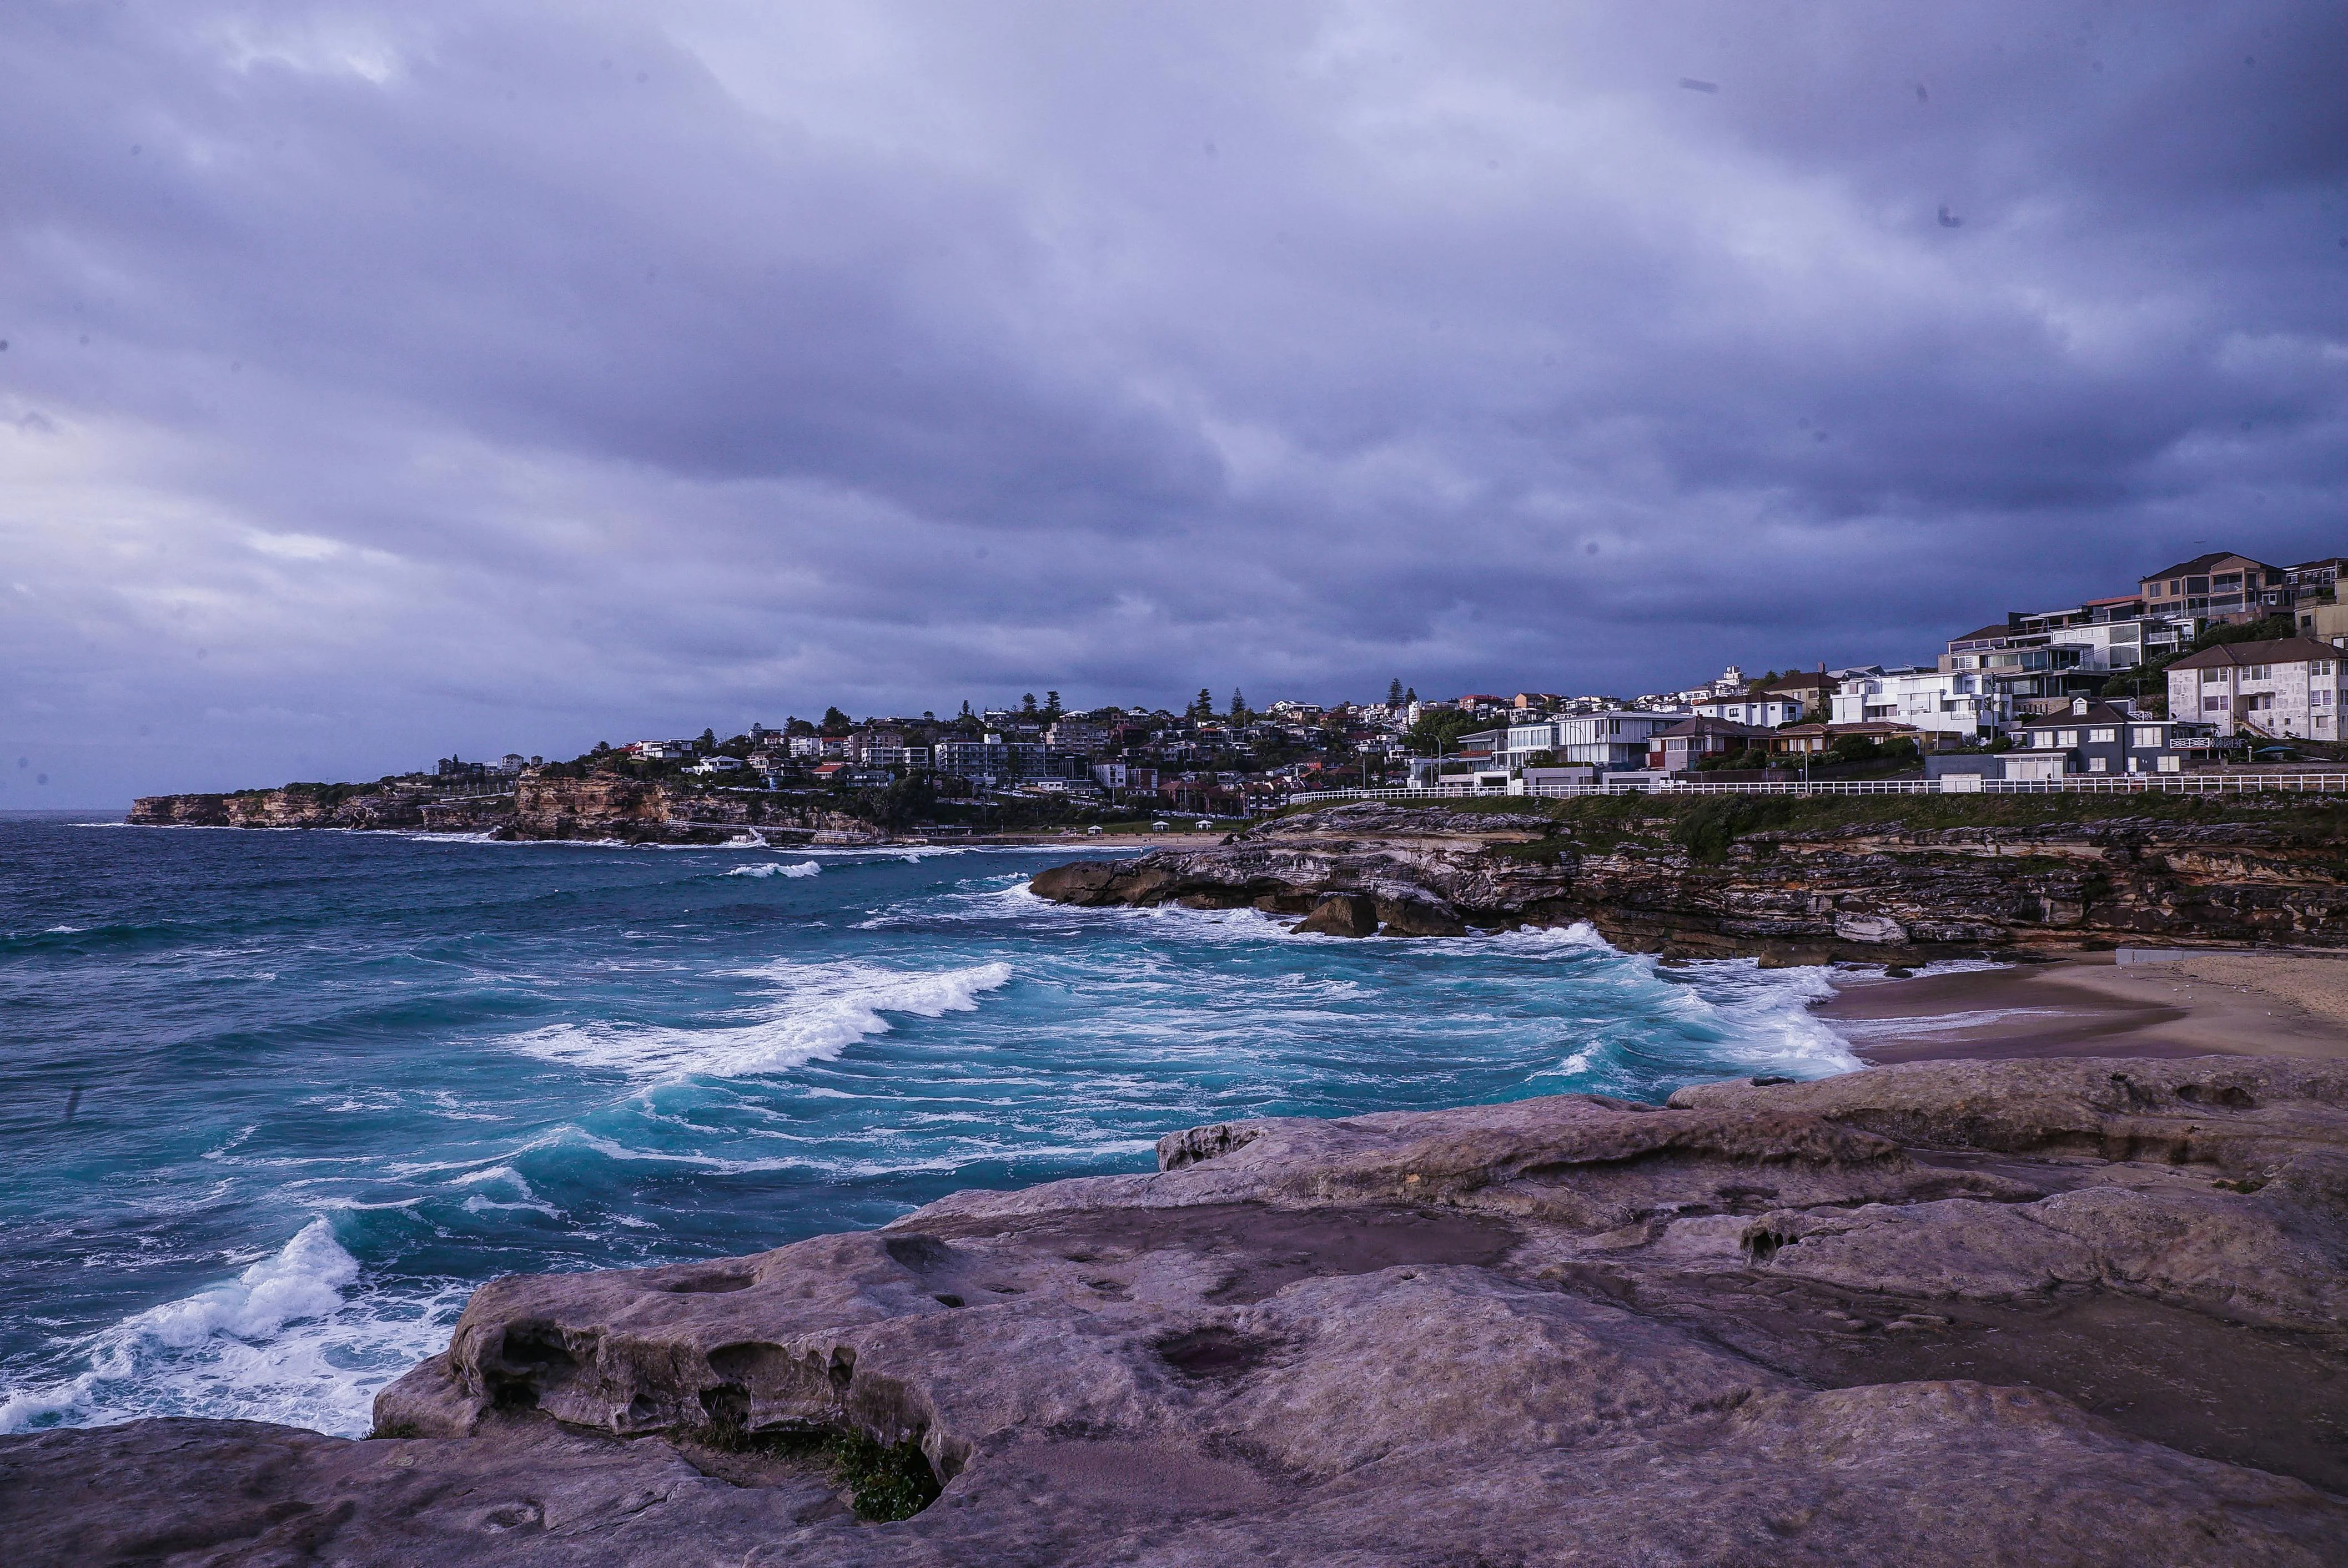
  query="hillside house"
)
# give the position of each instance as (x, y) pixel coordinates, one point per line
(2287, 688)
(2094, 738)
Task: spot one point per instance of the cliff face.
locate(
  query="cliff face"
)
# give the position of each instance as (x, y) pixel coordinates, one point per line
(604, 806)
(290, 807)
(1871, 891)
(2081, 1311)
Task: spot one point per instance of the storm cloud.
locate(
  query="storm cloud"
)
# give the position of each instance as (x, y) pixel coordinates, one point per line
(388, 380)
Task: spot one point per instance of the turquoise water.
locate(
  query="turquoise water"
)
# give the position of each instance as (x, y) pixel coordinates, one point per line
(275, 1102)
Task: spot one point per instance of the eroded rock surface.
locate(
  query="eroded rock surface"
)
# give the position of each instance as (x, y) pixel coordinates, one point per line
(1873, 893)
(2085, 1312)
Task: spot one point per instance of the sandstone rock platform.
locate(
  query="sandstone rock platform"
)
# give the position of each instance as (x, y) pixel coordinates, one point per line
(1812, 889)
(2084, 1311)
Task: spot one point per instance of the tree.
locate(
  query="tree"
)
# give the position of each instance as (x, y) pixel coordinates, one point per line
(836, 722)
(1203, 707)
(1027, 704)
(708, 742)
(965, 709)
(1393, 692)
(905, 800)
(1411, 695)
(1436, 732)
(1239, 708)
(1051, 704)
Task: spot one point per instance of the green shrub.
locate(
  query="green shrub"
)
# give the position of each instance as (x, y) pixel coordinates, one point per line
(886, 1482)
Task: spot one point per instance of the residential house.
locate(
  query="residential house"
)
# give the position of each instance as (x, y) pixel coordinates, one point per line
(1485, 746)
(2285, 687)
(2325, 622)
(1612, 738)
(1751, 708)
(1119, 777)
(2316, 582)
(2218, 586)
(1798, 739)
(2087, 738)
(1813, 692)
(1962, 703)
(718, 765)
(1691, 741)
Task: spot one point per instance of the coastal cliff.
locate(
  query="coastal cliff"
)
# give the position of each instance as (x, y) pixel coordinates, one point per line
(2084, 1311)
(1790, 881)
(600, 807)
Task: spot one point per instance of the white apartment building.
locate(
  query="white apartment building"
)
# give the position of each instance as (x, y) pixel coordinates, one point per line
(1954, 701)
(1611, 740)
(2292, 687)
(1761, 712)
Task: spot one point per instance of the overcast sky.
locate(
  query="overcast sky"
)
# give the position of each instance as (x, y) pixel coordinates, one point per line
(385, 380)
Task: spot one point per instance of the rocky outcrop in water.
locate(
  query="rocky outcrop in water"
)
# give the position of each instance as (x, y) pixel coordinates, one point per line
(1798, 895)
(2083, 1312)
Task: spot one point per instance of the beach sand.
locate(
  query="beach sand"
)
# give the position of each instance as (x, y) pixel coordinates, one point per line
(2260, 1004)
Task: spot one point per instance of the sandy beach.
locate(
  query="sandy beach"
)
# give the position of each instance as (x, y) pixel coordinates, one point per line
(2265, 1004)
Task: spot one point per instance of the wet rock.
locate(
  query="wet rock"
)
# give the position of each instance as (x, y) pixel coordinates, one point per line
(1342, 915)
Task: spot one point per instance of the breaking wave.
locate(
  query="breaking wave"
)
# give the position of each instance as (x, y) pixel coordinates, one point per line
(814, 1013)
(777, 868)
(277, 1343)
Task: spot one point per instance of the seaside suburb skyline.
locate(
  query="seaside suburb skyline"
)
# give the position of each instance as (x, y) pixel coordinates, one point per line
(382, 381)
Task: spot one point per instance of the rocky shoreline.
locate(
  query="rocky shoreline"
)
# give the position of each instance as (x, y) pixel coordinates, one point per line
(2084, 1311)
(603, 807)
(1661, 879)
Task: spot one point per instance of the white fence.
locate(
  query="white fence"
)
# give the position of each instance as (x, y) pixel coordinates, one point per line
(1954, 783)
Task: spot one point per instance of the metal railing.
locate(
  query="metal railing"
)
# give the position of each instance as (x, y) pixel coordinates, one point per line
(2335, 783)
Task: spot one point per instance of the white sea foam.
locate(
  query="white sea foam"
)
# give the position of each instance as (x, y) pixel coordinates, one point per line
(812, 1013)
(1926, 1025)
(280, 1342)
(777, 868)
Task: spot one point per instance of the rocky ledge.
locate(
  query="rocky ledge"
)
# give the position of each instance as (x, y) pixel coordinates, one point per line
(600, 806)
(1687, 883)
(2079, 1312)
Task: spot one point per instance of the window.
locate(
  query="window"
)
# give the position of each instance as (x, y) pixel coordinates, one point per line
(2318, 698)
(2042, 737)
(2068, 738)
(2259, 672)
(2102, 737)
(2148, 735)
(2168, 764)
(2213, 704)
(2320, 667)
(2099, 765)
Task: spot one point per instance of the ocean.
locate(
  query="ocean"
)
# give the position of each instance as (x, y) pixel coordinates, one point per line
(275, 1102)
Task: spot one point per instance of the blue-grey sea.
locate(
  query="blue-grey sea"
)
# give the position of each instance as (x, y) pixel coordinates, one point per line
(273, 1103)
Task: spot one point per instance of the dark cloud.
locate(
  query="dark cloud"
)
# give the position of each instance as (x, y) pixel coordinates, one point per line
(388, 379)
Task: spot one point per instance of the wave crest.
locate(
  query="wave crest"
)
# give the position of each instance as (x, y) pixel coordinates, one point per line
(815, 1012)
